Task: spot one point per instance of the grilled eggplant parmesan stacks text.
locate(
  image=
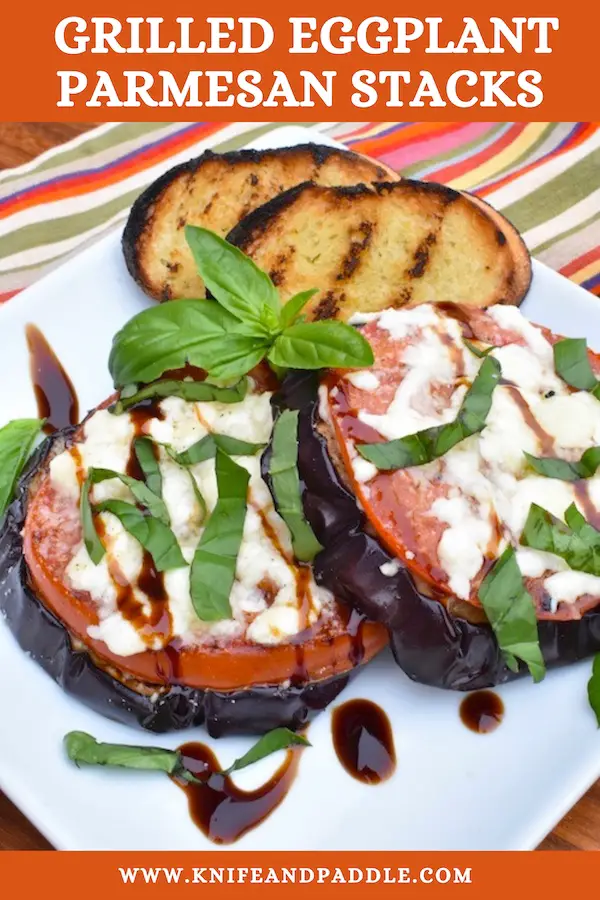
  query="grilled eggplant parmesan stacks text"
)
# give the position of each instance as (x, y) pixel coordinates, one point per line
(123, 632)
(454, 485)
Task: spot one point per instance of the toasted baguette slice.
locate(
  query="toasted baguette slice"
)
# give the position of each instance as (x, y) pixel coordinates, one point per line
(394, 244)
(216, 191)
(516, 244)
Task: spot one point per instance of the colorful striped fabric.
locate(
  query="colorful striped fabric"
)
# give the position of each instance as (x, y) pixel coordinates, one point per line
(545, 177)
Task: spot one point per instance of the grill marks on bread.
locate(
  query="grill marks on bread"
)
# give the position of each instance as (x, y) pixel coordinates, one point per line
(216, 191)
(388, 244)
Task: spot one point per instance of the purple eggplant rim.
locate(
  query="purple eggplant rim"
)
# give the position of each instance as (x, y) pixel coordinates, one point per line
(42, 635)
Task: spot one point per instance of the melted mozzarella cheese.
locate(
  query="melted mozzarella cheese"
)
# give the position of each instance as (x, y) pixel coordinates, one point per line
(428, 361)
(364, 380)
(261, 560)
(486, 475)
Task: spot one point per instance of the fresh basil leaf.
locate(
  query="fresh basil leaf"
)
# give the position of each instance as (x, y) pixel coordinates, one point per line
(234, 280)
(213, 567)
(206, 448)
(170, 335)
(594, 688)
(142, 493)
(278, 739)
(511, 613)
(321, 345)
(16, 441)
(562, 469)
(575, 540)
(192, 391)
(91, 539)
(154, 536)
(285, 481)
(477, 351)
(239, 358)
(294, 306)
(84, 749)
(431, 443)
(572, 363)
(144, 448)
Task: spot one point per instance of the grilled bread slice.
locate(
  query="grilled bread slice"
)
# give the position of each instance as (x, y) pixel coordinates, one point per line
(370, 247)
(216, 190)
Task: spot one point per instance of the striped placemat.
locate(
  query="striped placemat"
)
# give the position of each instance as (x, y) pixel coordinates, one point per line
(544, 176)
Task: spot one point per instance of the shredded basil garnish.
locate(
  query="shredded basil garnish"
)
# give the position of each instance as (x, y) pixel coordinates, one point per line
(192, 391)
(144, 450)
(83, 749)
(285, 481)
(564, 470)
(431, 443)
(154, 536)
(572, 364)
(213, 567)
(142, 493)
(206, 448)
(476, 351)
(574, 540)
(93, 544)
(511, 613)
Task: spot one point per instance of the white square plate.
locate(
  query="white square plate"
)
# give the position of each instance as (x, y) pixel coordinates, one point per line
(452, 789)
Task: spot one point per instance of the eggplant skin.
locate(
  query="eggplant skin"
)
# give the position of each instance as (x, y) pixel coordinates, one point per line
(39, 632)
(431, 645)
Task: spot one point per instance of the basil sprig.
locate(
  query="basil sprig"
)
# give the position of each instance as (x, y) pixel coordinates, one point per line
(572, 363)
(192, 391)
(154, 536)
(511, 613)
(230, 337)
(594, 688)
(144, 448)
(285, 482)
(564, 470)
(431, 443)
(206, 448)
(574, 540)
(16, 441)
(83, 749)
(213, 567)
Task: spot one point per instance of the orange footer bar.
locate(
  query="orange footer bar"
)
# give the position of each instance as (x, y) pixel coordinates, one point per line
(92, 875)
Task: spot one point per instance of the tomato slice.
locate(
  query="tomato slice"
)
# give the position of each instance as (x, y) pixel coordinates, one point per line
(332, 648)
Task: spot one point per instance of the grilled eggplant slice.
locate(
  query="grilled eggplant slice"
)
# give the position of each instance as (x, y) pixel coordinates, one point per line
(216, 190)
(243, 688)
(389, 575)
(386, 245)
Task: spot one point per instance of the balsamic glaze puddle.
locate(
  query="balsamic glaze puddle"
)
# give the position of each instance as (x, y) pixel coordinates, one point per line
(363, 741)
(220, 809)
(482, 711)
(54, 392)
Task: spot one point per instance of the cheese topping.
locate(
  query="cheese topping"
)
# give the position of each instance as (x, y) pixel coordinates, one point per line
(488, 486)
(265, 600)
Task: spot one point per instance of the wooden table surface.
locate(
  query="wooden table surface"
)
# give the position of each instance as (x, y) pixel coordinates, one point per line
(579, 830)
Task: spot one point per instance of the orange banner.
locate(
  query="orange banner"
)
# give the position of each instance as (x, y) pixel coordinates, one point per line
(248, 875)
(524, 60)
